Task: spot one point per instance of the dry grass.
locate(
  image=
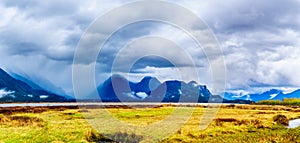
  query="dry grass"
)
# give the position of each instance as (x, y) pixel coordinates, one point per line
(21, 121)
(28, 109)
(233, 123)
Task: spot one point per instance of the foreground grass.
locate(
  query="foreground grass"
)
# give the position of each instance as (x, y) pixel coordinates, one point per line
(236, 123)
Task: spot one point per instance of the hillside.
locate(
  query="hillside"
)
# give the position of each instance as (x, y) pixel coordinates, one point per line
(13, 90)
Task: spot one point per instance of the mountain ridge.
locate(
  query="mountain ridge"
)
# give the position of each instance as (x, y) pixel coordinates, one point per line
(118, 89)
(14, 90)
(271, 94)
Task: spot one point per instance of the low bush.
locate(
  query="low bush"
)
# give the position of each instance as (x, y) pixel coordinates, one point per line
(21, 121)
(220, 121)
(94, 136)
(281, 119)
(122, 137)
(285, 101)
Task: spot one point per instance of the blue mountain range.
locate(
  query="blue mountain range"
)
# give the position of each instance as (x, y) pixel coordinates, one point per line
(272, 94)
(15, 90)
(118, 89)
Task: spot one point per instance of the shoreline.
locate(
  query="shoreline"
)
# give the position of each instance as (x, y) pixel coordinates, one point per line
(145, 105)
(49, 104)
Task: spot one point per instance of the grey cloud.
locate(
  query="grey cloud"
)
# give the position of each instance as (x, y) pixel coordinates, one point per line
(244, 15)
(41, 36)
(120, 38)
(255, 36)
(47, 8)
(22, 47)
(23, 37)
(48, 28)
(263, 53)
(151, 61)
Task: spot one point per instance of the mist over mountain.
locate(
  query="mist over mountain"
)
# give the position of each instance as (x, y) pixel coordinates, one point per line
(14, 90)
(39, 83)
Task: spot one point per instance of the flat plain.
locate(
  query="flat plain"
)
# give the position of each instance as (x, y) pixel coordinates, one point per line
(232, 123)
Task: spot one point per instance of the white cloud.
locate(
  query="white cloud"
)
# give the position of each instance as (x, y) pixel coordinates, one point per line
(162, 74)
(7, 15)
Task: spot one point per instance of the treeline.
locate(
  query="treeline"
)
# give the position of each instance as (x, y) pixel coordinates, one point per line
(285, 101)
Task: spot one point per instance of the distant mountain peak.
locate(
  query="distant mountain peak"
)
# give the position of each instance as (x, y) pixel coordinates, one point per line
(273, 91)
(117, 76)
(149, 82)
(3, 73)
(271, 94)
(193, 83)
(19, 91)
(150, 89)
(147, 78)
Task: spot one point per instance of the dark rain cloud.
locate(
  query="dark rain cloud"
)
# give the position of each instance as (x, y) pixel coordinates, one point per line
(259, 38)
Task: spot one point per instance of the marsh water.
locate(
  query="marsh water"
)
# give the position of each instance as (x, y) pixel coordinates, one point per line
(294, 123)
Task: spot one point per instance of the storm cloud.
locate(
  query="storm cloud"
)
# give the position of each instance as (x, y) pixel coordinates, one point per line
(260, 40)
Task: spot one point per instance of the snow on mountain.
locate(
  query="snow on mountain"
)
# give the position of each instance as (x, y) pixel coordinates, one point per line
(116, 88)
(272, 94)
(14, 90)
(4, 93)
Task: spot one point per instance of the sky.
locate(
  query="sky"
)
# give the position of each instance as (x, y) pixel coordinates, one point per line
(260, 41)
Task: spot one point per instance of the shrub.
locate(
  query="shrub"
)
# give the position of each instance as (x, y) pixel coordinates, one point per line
(123, 137)
(83, 111)
(220, 121)
(94, 136)
(21, 121)
(26, 120)
(226, 119)
(285, 101)
(281, 119)
(126, 138)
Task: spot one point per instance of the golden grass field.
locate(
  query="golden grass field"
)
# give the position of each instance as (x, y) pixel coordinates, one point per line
(233, 123)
